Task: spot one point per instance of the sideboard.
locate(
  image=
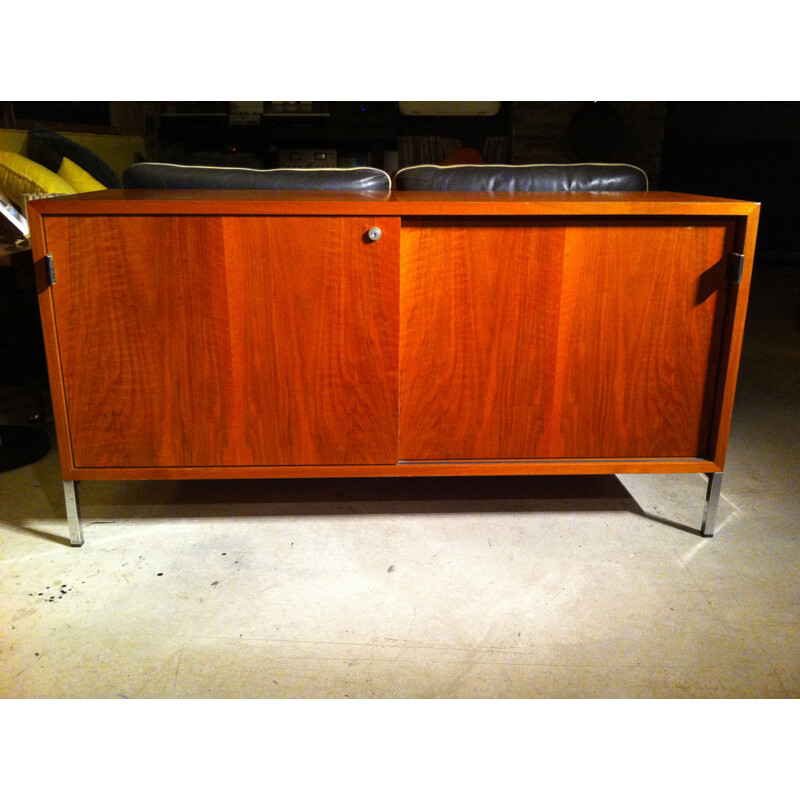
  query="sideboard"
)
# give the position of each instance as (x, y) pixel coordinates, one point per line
(236, 334)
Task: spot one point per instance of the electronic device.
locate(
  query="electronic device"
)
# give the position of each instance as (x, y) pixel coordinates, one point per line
(305, 159)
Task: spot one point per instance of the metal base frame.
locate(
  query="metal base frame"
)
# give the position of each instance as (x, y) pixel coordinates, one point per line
(712, 502)
(76, 531)
(73, 513)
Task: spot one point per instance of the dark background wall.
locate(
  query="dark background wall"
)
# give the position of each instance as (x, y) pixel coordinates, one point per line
(747, 150)
(742, 150)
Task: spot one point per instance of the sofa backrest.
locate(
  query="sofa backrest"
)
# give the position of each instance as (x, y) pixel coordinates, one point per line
(523, 178)
(179, 176)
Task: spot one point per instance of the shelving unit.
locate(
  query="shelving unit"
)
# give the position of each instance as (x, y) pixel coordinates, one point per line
(370, 133)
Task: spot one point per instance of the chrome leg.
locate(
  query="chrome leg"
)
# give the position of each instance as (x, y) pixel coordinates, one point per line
(712, 501)
(73, 513)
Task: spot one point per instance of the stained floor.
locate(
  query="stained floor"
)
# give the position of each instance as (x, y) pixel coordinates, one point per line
(574, 587)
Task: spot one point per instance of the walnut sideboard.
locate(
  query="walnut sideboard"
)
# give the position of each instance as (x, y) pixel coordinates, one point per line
(235, 334)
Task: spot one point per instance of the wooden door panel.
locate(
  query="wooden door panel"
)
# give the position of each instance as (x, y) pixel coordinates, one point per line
(142, 323)
(587, 340)
(317, 334)
(642, 316)
(478, 305)
(192, 341)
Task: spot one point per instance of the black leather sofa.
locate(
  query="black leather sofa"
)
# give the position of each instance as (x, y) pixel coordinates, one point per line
(471, 177)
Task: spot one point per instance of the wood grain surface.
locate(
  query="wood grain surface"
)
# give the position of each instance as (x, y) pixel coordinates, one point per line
(228, 202)
(190, 341)
(241, 334)
(547, 341)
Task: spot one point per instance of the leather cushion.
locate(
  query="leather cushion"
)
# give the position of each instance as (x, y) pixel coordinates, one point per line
(525, 178)
(151, 175)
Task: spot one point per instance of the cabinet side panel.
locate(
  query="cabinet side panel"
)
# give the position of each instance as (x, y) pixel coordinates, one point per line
(40, 234)
(744, 241)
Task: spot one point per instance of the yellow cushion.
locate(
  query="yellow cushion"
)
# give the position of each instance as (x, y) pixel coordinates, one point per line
(119, 152)
(78, 178)
(13, 141)
(20, 175)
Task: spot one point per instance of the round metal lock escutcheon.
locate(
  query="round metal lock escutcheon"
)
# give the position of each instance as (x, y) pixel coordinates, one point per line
(373, 234)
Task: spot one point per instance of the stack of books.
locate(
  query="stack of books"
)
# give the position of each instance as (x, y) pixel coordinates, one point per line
(425, 149)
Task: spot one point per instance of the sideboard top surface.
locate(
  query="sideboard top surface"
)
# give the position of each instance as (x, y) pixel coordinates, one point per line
(239, 202)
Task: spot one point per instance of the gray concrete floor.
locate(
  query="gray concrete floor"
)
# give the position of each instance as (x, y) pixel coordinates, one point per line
(449, 588)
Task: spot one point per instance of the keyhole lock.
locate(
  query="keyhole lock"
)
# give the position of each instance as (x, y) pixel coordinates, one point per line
(373, 234)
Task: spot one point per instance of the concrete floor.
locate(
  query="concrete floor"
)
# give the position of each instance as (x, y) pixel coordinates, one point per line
(447, 588)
